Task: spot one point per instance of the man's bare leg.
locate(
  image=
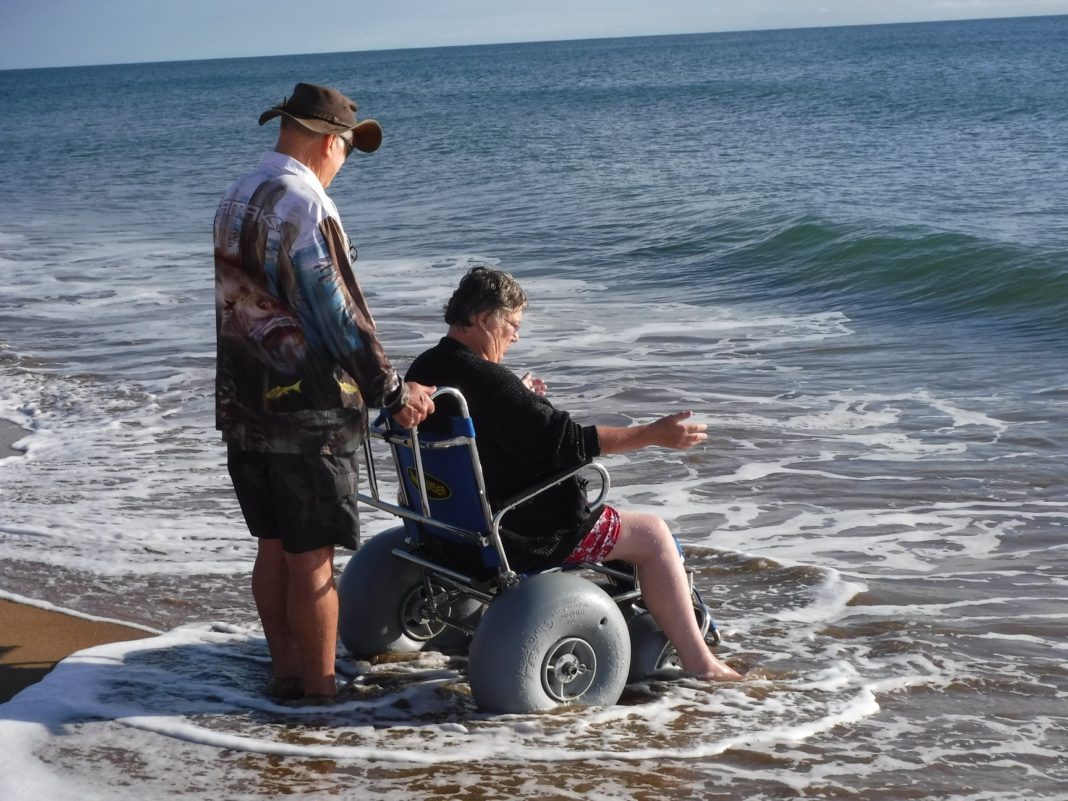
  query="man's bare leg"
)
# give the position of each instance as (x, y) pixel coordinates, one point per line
(312, 614)
(270, 581)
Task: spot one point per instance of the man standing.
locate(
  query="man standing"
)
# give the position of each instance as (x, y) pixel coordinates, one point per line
(298, 362)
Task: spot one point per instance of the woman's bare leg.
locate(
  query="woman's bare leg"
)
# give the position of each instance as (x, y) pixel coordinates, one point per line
(646, 542)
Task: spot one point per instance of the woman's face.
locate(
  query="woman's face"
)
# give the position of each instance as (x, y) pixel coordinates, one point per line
(501, 331)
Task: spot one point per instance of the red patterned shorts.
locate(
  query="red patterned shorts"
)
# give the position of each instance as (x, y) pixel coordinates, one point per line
(600, 541)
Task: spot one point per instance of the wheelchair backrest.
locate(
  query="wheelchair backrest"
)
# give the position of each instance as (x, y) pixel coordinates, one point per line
(445, 463)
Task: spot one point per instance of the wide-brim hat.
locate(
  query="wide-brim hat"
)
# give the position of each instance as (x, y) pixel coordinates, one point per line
(327, 111)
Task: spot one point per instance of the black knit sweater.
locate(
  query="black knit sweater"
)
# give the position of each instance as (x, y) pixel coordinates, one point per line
(521, 440)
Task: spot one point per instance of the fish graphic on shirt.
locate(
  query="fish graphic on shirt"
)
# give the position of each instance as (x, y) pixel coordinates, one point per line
(274, 393)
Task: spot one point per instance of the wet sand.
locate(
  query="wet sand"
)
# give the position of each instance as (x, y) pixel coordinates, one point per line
(33, 640)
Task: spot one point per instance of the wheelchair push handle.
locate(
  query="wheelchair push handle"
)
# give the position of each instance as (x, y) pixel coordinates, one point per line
(381, 424)
(456, 395)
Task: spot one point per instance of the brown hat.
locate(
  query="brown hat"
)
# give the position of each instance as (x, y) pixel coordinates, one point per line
(327, 111)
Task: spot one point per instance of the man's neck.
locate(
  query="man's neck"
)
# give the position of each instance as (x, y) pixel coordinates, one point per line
(308, 153)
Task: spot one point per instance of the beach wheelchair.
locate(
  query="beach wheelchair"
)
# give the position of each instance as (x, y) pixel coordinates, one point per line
(442, 581)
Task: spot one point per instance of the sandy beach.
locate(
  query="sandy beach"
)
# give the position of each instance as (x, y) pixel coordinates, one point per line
(33, 640)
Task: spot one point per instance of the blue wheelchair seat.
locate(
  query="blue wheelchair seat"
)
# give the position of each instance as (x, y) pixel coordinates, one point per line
(445, 465)
(443, 502)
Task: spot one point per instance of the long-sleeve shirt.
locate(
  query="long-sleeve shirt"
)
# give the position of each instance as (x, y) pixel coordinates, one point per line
(521, 440)
(298, 356)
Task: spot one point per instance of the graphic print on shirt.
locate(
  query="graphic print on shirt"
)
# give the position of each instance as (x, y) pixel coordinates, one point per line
(257, 321)
(298, 355)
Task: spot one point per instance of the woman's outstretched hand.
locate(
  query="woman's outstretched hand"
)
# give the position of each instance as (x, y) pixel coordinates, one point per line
(673, 431)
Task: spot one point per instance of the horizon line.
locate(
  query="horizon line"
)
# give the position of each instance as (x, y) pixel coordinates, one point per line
(388, 49)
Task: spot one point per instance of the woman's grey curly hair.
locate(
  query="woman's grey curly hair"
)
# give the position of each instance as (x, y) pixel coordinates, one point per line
(482, 290)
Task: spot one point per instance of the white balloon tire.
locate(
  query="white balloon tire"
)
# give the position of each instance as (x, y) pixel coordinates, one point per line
(540, 632)
(372, 593)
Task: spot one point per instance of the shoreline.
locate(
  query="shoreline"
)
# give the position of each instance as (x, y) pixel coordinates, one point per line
(35, 640)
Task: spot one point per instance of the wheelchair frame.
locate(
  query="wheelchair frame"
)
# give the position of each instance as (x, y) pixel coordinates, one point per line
(622, 582)
(534, 640)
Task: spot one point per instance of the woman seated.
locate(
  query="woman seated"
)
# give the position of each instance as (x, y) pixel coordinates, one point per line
(522, 440)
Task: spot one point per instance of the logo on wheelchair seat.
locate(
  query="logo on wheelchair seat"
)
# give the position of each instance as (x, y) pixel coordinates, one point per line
(436, 489)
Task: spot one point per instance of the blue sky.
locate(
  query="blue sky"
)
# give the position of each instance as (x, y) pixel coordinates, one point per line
(45, 33)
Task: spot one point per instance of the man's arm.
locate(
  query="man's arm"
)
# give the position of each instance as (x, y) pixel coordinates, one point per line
(358, 348)
(671, 431)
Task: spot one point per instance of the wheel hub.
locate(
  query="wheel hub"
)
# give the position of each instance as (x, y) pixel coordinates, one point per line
(417, 619)
(569, 669)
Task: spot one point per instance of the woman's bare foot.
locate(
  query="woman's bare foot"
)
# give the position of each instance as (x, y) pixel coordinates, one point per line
(716, 670)
(720, 671)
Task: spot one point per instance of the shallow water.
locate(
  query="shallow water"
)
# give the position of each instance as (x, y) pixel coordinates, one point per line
(888, 564)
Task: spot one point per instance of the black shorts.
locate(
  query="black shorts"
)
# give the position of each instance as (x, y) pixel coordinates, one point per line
(308, 501)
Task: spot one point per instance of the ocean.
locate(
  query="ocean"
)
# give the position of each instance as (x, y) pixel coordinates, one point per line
(845, 249)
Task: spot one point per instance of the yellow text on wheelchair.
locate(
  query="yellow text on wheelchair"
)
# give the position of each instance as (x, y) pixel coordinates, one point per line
(436, 489)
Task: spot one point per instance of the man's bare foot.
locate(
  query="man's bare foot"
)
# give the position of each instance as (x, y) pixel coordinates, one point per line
(284, 688)
(320, 686)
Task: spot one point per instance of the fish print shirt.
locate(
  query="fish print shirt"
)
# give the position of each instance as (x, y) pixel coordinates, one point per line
(298, 356)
